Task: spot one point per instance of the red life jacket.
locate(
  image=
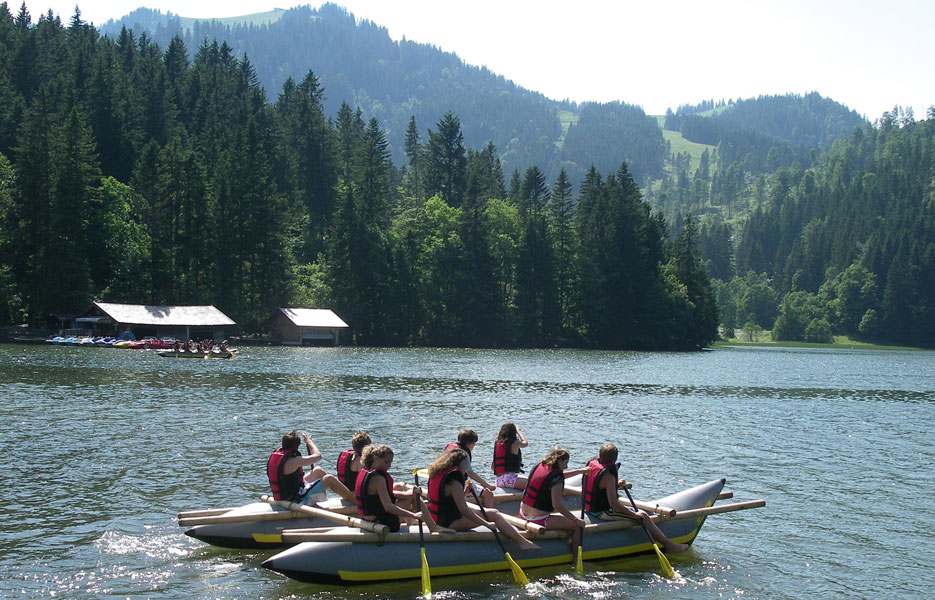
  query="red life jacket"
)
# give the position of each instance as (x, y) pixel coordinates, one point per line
(369, 505)
(347, 475)
(538, 492)
(595, 499)
(457, 447)
(283, 486)
(443, 508)
(504, 461)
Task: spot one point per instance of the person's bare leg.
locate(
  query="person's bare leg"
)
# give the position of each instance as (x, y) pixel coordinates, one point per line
(334, 484)
(660, 537)
(510, 531)
(486, 497)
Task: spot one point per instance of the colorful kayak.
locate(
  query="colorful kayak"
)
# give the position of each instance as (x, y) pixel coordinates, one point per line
(347, 555)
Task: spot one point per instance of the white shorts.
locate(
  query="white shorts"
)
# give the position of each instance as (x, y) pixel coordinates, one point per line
(312, 493)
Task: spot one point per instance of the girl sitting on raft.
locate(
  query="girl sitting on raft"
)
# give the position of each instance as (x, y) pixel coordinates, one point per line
(349, 460)
(377, 501)
(467, 439)
(448, 506)
(508, 457)
(543, 496)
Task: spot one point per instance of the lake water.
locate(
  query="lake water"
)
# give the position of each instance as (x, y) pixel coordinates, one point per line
(103, 447)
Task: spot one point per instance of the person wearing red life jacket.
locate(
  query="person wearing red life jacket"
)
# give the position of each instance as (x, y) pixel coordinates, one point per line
(543, 497)
(448, 506)
(508, 457)
(377, 501)
(467, 439)
(602, 502)
(288, 480)
(349, 460)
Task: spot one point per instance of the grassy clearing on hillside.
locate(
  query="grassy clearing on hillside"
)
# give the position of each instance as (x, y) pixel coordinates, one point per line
(679, 144)
(263, 18)
(567, 119)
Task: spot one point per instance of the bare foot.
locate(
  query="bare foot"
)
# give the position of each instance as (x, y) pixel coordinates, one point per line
(440, 529)
(528, 547)
(676, 548)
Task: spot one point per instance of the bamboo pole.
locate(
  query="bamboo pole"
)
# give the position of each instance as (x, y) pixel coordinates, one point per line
(710, 510)
(292, 536)
(279, 515)
(693, 513)
(209, 512)
(219, 515)
(520, 524)
(330, 516)
(324, 534)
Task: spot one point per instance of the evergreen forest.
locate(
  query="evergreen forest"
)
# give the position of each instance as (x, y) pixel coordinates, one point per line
(309, 160)
(133, 173)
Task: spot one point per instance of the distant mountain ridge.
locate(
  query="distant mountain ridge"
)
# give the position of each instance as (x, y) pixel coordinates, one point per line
(358, 63)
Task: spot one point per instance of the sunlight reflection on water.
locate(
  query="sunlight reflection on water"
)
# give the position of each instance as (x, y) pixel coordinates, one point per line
(829, 438)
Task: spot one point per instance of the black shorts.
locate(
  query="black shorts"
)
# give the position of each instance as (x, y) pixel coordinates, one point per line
(391, 521)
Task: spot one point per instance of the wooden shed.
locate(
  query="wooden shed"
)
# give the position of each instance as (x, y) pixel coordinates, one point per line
(306, 327)
(180, 322)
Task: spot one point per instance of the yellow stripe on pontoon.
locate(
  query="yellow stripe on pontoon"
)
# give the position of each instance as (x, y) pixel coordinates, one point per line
(267, 538)
(623, 551)
(450, 570)
(620, 551)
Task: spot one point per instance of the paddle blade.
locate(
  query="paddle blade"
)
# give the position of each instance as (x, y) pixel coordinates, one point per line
(426, 578)
(579, 565)
(518, 574)
(664, 564)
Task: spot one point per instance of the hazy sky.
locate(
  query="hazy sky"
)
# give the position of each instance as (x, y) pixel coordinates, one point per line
(868, 55)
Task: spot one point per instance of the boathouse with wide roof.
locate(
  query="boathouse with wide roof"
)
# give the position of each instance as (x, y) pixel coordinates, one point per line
(180, 322)
(306, 327)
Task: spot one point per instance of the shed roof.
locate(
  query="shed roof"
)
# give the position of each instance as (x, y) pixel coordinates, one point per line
(313, 317)
(140, 314)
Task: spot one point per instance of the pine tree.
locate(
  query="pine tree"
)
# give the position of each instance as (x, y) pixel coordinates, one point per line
(701, 326)
(562, 216)
(34, 233)
(447, 163)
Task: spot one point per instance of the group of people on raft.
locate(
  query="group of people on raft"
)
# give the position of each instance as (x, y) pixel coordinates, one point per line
(363, 479)
(203, 346)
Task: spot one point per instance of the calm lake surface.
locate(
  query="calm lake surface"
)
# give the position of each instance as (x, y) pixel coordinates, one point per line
(103, 447)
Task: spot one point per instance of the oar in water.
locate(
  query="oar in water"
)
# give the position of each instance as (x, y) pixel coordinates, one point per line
(518, 574)
(663, 561)
(579, 564)
(426, 576)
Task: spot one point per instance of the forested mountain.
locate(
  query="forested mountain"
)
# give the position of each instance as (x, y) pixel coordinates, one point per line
(768, 132)
(130, 172)
(806, 233)
(358, 63)
(850, 246)
(437, 203)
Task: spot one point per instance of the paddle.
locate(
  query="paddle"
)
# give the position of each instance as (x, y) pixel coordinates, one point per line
(579, 564)
(426, 577)
(663, 561)
(518, 574)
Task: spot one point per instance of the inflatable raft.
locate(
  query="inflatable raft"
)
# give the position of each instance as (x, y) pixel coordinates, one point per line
(255, 525)
(260, 525)
(346, 555)
(180, 354)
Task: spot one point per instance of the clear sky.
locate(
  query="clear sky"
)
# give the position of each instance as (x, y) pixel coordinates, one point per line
(867, 54)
